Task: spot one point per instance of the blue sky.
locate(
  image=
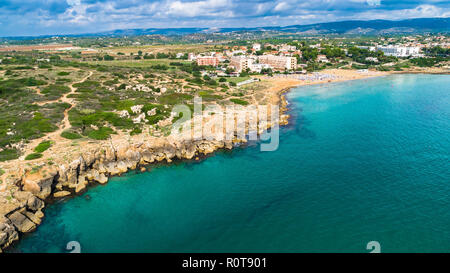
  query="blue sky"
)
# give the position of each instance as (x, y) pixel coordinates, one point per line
(42, 17)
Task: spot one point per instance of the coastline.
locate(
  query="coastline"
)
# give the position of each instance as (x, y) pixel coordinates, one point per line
(96, 162)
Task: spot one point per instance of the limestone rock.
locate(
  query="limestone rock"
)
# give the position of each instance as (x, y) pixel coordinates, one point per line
(42, 187)
(34, 203)
(34, 218)
(61, 194)
(21, 222)
(8, 233)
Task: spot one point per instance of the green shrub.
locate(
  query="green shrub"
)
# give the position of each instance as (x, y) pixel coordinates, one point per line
(207, 96)
(174, 98)
(160, 67)
(239, 101)
(43, 146)
(33, 156)
(55, 91)
(108, 58)
(63, 73)
(136, 131)
(70, 135)
(101, 134)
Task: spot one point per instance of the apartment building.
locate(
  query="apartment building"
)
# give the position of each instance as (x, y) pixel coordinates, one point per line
(257, 47)
(399, 51)
(279, 63)
(240, 63)
(192, 57)
(285, 47)
(208, 60)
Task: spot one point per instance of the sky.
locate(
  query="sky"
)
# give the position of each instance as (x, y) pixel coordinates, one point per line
(59, 17)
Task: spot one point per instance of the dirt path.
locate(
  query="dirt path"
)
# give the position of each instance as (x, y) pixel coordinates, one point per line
(65, 124)
(72, 102)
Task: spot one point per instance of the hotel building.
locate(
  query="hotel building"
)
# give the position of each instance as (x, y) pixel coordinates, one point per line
(208, 60)
(280, 63)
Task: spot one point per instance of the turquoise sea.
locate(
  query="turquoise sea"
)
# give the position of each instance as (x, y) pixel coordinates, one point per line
(361, 161)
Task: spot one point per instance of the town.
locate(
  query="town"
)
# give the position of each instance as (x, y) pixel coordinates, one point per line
(242, 58)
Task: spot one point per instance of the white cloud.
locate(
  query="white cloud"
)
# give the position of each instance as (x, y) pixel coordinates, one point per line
(73, 2)
(374, 2)
(83, 16)
(281, 6)
(201, 8)
(421, 11)
(371, 3)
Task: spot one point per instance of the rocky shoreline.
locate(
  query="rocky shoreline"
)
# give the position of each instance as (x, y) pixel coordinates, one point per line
(34, 188)
(26, 189)
(90, 168)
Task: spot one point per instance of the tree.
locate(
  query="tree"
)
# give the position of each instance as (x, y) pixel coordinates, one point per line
(309, 54)
(333, 52)
(229, 70)
(108, 58)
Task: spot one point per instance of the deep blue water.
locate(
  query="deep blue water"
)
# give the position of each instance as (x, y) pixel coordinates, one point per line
(361, 161)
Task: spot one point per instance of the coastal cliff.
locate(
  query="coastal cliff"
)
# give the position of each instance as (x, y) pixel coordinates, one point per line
(35, 188)
(28, 188)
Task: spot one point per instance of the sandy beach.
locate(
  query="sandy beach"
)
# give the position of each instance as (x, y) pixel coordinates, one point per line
(281, 83)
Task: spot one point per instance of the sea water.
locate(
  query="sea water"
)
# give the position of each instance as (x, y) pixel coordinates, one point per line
(361, 161)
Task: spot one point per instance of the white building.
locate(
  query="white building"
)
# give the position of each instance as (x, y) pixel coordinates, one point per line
(370, 48)
(285, 47)
(192, 57)
(280, 63)
(255, 67)
(242, 63)
(399, 51)
(322, 59)
(238, 52)
(257, 47)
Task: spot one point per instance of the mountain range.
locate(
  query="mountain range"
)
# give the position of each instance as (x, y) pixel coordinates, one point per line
(372, 27)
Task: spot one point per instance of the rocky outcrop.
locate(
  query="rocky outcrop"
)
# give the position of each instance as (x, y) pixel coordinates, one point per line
(93, 164)
(91, 167)
(8, 233)
(22, 222)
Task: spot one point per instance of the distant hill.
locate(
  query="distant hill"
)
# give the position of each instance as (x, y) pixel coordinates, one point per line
(375, 27)
(372, 27)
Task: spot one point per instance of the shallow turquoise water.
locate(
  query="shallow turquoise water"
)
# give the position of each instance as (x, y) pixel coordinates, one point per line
(361, 161)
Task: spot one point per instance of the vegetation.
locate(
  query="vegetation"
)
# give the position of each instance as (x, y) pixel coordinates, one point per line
(9, 154)
(149, 79)
(43, 146)
(239, 101)
(70, 135)
(55, 91)
(427, 62)
(33, 156)
(101, 134)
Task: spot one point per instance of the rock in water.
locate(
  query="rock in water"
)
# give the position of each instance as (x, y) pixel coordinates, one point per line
(60, 194)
